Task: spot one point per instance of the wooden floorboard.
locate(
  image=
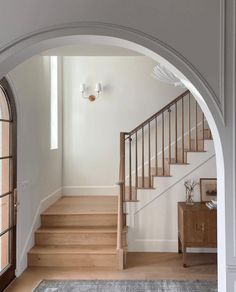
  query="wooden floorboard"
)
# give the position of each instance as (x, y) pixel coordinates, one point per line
(144, 266)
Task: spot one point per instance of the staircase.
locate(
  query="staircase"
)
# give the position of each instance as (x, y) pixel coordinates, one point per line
(90, 231)
(162, 140)
(77, 232)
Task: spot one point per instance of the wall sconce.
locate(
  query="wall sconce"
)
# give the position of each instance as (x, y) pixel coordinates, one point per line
(91, 97)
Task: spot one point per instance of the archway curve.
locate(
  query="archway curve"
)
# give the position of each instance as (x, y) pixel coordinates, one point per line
(102, 33)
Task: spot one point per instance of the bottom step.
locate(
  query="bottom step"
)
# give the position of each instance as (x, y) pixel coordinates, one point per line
(72, 256)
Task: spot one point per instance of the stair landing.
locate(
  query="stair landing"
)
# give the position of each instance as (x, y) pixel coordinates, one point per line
(83, 205)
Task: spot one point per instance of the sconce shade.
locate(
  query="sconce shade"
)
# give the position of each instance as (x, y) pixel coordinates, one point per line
(98, 87)
(82, 87)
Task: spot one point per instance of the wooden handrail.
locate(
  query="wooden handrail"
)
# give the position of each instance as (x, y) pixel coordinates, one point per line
(157, 114)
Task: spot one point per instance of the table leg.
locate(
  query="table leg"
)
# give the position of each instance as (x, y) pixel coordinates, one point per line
(179, 245)
(184, 256)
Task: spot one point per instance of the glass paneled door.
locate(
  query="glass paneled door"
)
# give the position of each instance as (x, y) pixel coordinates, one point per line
(8, 201)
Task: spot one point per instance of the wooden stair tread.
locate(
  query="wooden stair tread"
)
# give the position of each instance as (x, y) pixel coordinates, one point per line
(68, 229)
(179, 163)
(145, 188)
(186, 150)
(79, 213)
(159, 172)
(82, 249)
(161, 175)
(83, 205)
(199, 139)
(172, 161)
(76, 230)
(145, 178)
(205, 128)
(147, 184)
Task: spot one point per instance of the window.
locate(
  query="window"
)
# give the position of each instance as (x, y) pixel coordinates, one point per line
(4, 181)
(54, 101)
(7, 184)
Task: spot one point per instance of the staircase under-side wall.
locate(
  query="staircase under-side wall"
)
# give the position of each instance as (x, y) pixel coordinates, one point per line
(90, 231)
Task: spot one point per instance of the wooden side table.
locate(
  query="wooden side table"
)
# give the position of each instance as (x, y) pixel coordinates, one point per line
(197, 227)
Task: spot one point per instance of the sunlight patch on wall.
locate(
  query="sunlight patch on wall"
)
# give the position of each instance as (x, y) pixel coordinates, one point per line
(54, 102)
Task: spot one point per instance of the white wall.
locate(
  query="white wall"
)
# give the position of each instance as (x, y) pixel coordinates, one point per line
(39, 168)
(91, 130)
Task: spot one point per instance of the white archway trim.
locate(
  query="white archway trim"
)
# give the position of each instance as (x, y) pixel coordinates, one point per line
(101, 33)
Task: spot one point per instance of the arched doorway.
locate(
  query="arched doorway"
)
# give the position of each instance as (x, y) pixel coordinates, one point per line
(105, 34)
(7, 185)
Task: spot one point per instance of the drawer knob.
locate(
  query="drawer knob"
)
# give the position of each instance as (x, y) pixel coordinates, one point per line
(200, 227)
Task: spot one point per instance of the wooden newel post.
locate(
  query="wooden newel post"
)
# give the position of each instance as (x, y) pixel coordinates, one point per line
(121, 197)
(120, 251)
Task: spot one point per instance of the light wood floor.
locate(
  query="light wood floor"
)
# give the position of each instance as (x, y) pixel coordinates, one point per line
(144, 266)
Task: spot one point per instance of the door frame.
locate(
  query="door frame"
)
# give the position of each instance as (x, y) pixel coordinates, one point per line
(9, 274)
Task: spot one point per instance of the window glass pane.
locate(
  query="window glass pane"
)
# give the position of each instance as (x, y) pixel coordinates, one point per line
(4, 213)
(4, 176)
(4, 250)
(4, 139)
(54, 102)
(4, 110)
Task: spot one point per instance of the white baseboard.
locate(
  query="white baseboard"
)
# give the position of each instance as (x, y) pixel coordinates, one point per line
(202, 250)
(162, 245)
(29, 243)
(90, 190)
(153, 245)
